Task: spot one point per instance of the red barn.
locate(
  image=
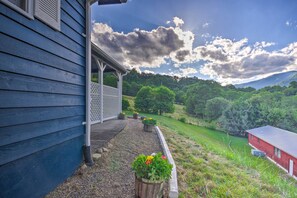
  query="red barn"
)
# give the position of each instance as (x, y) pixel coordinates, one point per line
(279, 145)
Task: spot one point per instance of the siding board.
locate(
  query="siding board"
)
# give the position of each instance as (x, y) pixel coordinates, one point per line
(23, 132)
(45, 30)
(42, 103)
(78, 7)
(21, 149)
(13, 99)
(34, 176)
(26, 51)
(20, 32)
(18, 65)
(72, 34)
(73, 13)
(72, 23)
(17, 116)
(16, 82)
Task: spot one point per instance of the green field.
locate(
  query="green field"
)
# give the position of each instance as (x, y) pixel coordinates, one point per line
(212, 164)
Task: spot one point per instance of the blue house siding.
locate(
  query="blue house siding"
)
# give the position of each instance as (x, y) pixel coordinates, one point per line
(42, 100)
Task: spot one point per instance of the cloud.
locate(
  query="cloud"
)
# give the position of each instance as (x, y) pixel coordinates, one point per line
(205, 25)
(233, 61)
(141, 48)
(187, 71)
(148, 72)
(178, 21)
(288, 23)
(223, 59)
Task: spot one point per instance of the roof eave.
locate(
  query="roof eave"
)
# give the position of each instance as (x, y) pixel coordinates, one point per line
(108, 59)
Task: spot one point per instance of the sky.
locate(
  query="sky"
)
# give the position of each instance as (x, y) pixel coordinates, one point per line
(230, 41)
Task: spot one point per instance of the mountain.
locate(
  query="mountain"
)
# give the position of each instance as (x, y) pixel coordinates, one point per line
(281, 79)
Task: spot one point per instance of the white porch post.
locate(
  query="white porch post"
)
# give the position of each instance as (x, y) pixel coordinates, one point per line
(120, 85)
(101, 68)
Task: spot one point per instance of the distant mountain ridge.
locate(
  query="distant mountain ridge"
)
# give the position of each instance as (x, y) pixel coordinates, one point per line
(281, 79)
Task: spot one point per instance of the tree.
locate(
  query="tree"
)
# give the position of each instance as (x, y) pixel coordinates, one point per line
(164, 100)
(125, 104)
(198, 94)
(155, 100)
(144, 99)
(215, 107)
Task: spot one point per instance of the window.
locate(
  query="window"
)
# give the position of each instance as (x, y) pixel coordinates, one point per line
(258, 140)
(277, 152)
(48, 11)
(25, 7)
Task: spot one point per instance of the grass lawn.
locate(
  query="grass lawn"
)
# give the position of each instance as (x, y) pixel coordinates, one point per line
(212, 164)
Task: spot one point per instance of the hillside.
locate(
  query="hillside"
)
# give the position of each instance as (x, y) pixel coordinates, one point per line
(212, 164)
(282, 79)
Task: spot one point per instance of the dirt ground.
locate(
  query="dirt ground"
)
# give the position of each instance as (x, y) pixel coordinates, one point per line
(111, 175)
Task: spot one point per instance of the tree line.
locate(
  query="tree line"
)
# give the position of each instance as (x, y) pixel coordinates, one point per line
(232, 109)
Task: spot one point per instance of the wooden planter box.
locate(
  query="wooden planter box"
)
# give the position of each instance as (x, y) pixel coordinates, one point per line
(148, 128)
(148, 189)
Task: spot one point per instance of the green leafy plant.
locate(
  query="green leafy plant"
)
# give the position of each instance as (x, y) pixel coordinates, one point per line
(182, 119)
(149, 121)
(121, 116)
(125, 104)
(152, 167)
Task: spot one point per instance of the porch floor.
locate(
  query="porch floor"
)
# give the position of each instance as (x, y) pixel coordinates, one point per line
(102, 133)
(111, 175)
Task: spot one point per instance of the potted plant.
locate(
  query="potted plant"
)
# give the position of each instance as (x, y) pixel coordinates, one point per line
(135, 115)
(150, 173)
(122, 116)
(148, 124)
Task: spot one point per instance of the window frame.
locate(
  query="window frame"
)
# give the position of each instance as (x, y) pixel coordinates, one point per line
(277, 152)
(29, 8)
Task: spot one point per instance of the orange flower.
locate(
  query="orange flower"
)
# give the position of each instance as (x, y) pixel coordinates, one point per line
(148, 162)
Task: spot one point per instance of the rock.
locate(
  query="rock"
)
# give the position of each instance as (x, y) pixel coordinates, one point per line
(83, 167)
(109, 145)
(116, 184)
(96, 156)
(99, 150)
(105, 149)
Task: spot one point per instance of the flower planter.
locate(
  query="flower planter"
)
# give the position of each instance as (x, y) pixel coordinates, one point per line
(148, 189)
(135, 116)
(148, 127)
(122, 117)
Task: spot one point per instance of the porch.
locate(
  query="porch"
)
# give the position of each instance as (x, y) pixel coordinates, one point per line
(105, 98)
(102, 133)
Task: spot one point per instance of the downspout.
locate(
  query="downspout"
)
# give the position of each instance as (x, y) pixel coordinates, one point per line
(87, 147)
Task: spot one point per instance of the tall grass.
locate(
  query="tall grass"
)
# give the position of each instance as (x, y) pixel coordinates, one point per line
(237, 153)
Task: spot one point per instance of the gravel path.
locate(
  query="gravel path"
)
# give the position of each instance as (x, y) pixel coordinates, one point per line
(111, 176)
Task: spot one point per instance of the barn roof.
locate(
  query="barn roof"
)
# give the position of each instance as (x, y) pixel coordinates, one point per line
(280, 138)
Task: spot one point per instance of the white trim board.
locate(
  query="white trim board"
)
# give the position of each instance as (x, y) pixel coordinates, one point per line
(173, 185)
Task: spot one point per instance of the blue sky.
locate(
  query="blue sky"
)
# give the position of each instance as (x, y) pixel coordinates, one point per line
(230, 41)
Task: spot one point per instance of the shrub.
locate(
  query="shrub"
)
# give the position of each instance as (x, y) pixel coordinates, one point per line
(152, 167)
(121, 116)
(182, 119)
(125, 104)
(149, 121)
